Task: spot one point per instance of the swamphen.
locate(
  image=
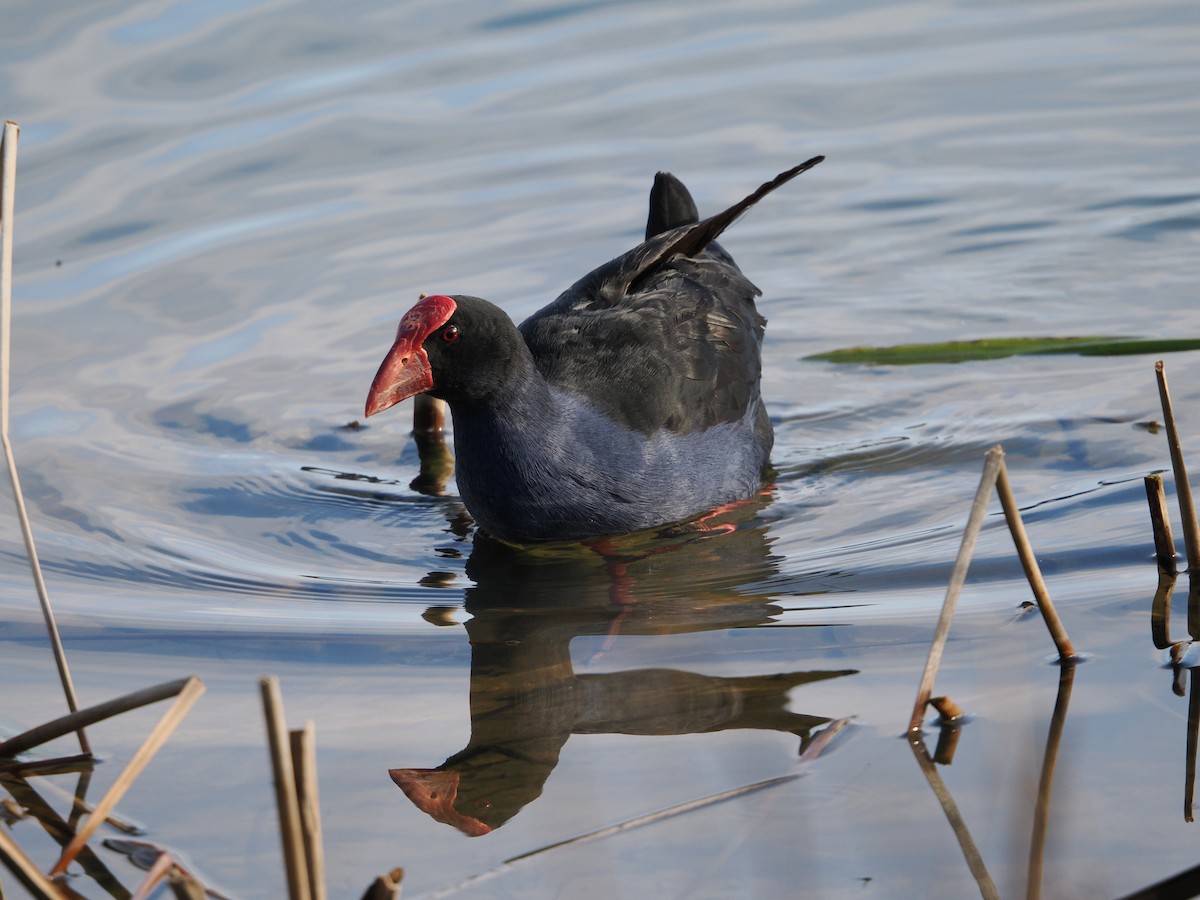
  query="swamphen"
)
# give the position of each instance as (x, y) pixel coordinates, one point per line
(629, 402)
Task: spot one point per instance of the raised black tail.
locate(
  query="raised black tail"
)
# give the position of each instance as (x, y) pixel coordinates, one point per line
(692, 241)
(696, 239)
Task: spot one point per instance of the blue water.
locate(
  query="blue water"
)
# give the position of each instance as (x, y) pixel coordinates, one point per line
(222, 210)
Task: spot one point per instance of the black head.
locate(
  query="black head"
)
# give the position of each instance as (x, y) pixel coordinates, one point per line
(460, 349)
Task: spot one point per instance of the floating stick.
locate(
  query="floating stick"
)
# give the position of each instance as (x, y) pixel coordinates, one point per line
(8, 185)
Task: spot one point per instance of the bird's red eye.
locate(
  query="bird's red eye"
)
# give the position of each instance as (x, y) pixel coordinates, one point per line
(450, 334)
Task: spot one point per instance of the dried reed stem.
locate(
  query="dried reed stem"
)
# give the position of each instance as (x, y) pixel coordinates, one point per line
(1160, 523)
(65, 724)
(39, 886)
(429, 414)
(1029, 562)
(286, 801)
(987, 887)
(304, 764)
(170, 720)
(1041, 811)
(1187, 508)
(991, 469)
(8, 186)
(437, 462)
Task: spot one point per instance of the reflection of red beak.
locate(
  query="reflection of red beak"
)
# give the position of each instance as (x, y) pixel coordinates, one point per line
(405, 370)
(434, 791)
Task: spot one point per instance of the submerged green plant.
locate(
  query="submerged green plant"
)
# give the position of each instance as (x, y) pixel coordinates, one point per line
(998, 348)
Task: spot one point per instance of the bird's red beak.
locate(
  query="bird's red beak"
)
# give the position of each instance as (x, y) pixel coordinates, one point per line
(405, 370)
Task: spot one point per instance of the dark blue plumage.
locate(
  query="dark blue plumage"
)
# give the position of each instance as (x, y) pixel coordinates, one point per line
(629, 402)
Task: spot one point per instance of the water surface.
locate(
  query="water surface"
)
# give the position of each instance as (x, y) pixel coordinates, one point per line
(224, 208)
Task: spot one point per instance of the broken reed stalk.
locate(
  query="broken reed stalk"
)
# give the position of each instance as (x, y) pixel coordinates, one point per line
(35, 737)
(1187, 507)
(991, 469)
(1041, 811)
(304, 765)
(286, 800)
(8, 184)
(1160, 522)
(946, 708)
(192, 689)
(987, 887)
(385, 887)
(23, 868)
(1029, 563)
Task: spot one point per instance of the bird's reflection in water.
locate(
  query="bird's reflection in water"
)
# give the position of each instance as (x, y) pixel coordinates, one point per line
(526, 698)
